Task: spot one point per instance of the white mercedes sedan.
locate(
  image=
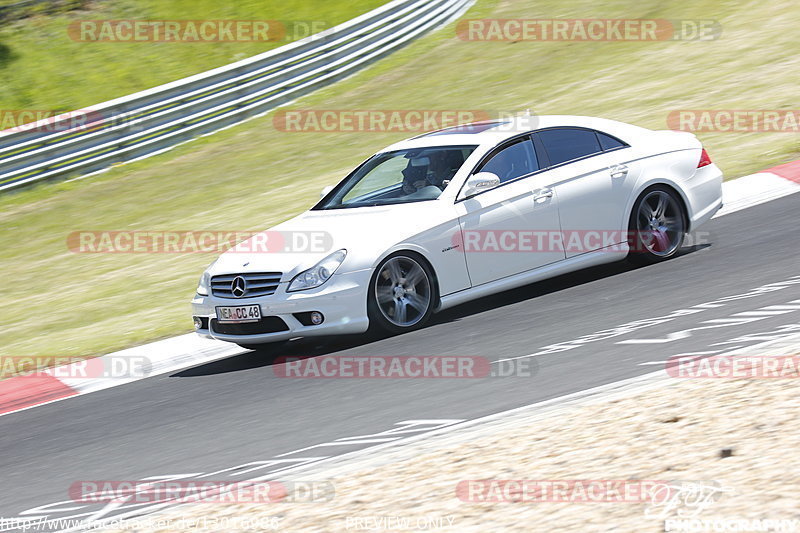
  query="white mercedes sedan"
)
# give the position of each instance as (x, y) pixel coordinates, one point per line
(457, 214)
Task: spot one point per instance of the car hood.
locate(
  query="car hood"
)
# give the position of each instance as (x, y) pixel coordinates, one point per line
(301, 242)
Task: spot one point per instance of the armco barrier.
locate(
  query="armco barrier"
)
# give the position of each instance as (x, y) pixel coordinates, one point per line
(155, 120)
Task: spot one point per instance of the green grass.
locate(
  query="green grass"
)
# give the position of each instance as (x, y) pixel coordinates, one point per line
(42, 67)
(252, 176)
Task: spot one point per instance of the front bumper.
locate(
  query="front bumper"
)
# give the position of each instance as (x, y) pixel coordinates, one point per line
(342, 300)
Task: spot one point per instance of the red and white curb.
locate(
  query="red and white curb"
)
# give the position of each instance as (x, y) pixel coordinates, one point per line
(177, 353)
(65, 381)
(755, 189)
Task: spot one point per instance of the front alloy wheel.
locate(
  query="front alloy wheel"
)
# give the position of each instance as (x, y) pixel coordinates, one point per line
(401, 293)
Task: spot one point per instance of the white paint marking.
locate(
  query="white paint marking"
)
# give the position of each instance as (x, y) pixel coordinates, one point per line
(732, 321)
(706, 352)
(763, 312)
(697, 354)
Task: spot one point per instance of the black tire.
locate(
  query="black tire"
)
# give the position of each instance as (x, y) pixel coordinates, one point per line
(385, 314)
(656, 233)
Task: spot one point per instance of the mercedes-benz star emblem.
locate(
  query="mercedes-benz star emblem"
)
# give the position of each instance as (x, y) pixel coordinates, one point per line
(238, 287)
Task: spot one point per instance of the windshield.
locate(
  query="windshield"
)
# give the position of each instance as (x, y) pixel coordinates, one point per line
(398, 177)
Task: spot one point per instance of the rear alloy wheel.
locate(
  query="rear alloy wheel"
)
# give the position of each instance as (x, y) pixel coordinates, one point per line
(657, 226)
(401, 294)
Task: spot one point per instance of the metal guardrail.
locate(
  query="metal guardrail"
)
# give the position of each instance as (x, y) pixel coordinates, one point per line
(26, 8)
(150, 122)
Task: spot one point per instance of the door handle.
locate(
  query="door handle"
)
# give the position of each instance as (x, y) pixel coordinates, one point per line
(542, 195)
(618, 171)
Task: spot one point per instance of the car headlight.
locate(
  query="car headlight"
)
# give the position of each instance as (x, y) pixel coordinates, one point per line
(318, 274)
(205, 280)
(202, 286)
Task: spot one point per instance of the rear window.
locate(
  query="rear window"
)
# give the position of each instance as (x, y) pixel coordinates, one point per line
(566, 144)
(607, 142)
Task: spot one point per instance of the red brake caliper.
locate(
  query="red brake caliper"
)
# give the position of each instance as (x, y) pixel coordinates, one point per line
(661, 240)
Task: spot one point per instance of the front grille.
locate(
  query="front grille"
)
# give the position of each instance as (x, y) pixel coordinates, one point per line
(267, 324)
(256, 283)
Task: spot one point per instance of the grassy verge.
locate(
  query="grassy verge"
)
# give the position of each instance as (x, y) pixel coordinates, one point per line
(34, 50)
(252, 176)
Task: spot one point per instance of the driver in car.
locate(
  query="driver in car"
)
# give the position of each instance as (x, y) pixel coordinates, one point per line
(443, 167)
(415, 175)
(436, 168)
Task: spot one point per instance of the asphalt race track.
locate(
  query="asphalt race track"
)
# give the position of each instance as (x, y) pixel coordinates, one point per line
(236, 411)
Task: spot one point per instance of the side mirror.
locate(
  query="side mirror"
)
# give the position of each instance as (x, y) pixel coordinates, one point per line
(482, 181)
(325, 191)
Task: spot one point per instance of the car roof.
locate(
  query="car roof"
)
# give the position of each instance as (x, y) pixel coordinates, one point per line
(492, 132)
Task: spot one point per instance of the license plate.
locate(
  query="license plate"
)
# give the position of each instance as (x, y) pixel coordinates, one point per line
(239, 314)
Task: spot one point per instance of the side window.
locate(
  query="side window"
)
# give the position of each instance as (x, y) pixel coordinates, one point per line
(512, 161)
(607, 142)
(566, 144)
